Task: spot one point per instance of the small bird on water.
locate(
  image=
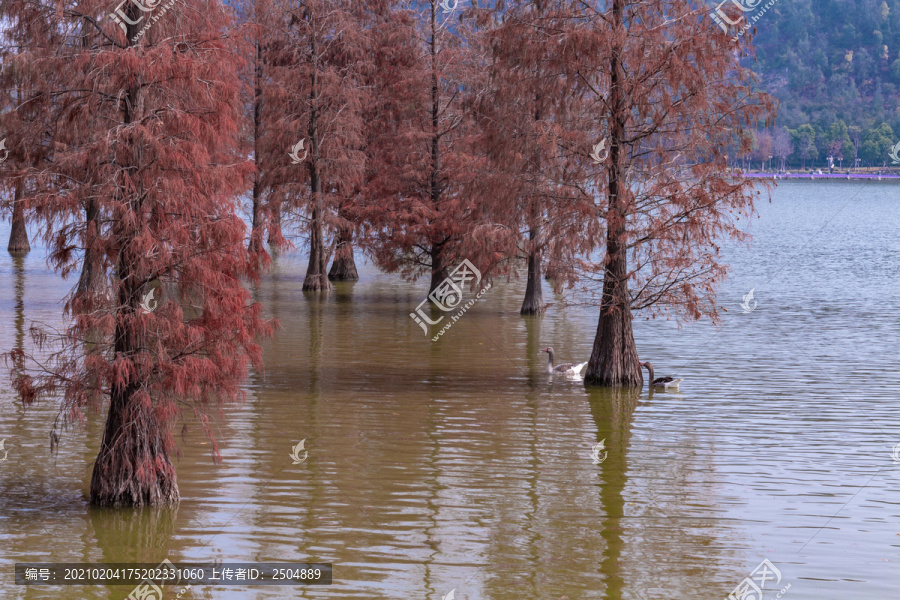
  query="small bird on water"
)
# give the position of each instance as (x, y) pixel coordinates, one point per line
(570, 369)
(666, 383)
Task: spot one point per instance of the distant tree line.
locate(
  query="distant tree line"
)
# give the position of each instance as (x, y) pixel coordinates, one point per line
(812, 147)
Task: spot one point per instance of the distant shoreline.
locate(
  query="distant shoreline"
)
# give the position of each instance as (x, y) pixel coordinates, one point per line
(839, 176)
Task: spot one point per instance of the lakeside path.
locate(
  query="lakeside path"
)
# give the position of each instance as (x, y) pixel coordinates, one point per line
(843, 176)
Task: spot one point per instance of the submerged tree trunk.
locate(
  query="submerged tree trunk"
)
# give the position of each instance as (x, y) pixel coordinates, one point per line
(133, 466)
(18, 234)
(343, 268)
(93, 280)
(439, 270)
(533, 304)
(316, 279)
(614, 360)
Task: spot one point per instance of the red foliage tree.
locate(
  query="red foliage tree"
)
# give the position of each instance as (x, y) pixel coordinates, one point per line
(148, 135)
(257, 18)
(312, 95)
(662, 85)
(423, 201)
(535, 158)
(23, 135)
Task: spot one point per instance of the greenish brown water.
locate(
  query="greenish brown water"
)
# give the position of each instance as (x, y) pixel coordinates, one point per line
(458, 465)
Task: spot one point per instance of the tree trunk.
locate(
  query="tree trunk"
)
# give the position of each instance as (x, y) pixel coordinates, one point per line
(533, 304)
(257, 221)
(256, 233)
(343, 268)
(274, 221)
(316, 278)
(93, 280)
(18, 234)
(133, 466)
(614, 360)
(439, 270)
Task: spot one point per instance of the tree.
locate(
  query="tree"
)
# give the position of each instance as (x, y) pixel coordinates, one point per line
(22, 119)
(422, 202)
(804, 140)
(782, 147)
(763, 149)
(877, 143)
(533, 186)
(376, 19)
(665, 89)
(313, 97)
(149, 137)
(855, 134)
(839, 143)
(257, 17)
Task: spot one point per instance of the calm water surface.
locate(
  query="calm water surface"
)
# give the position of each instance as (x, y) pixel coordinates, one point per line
(458, 465)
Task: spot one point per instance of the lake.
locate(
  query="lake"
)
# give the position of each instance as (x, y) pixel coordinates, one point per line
(457, 466)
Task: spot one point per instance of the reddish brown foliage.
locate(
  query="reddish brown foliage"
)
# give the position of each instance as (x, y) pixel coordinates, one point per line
(423, 200)
(311, 92)
(147, 133)
(662, 86)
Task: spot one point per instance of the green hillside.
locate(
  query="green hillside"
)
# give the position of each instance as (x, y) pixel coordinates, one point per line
(835, 67)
